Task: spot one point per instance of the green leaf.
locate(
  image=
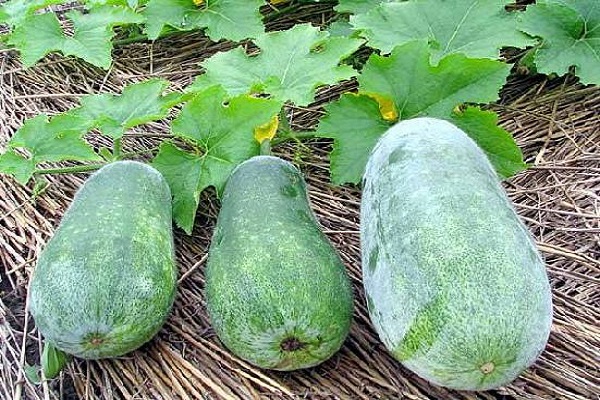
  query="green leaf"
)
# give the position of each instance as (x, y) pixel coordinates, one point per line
(13, 12)
(92, 40)
(60, 138)
(138, 104)
(222, 19)
(476, 28)
(417, 88)
(32, 373)
(129, 3)
(182, 170)
(56, 140)
(570, 36)
(291, 65)
(340, 28)
(18, 166)
(222, 132)
(41, 34)
(53, 361)
(37, 36)
(497, 143)
(355, 123)
(359, 6)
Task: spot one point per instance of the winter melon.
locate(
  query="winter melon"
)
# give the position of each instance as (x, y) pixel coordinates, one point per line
(105, 282)
(277, 292)
(455, 286)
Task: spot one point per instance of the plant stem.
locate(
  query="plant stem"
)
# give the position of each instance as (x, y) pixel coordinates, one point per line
(69, 170)
(140, 37)
(117, 149)
(297, 136)
(284, 121)
(265, 147)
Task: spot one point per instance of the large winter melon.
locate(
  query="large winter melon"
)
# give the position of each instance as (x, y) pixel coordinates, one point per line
(105, 282)
(455, 286)
(276, 290)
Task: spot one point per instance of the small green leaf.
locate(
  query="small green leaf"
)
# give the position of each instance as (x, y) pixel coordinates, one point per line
(37, 36)
(106, 153)
(355, 123)
(56, 140)
(39, 188)
(32, 373)
(359, 6)
(53, 361)
(291, 65)
(13, 12)
(475, 28)
(222, 130)
(222, 19)
(92, 40)
(497, 143)
(138, 104)
(41, 34)
(182, 170)
(569, 31)
(18, 166)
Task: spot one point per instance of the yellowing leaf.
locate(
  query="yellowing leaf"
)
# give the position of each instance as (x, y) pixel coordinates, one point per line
(198, 2)
(266, 131)
(278, 1)
(387, 107)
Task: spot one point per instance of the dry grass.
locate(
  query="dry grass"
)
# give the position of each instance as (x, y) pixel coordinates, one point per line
(554, 121)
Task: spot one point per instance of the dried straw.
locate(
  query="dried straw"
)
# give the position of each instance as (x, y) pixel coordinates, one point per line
(555, 121)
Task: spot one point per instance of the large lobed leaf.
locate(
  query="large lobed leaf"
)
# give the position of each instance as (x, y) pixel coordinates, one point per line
(61, 137)
(222, 132)
(40, 34)
(13, 12)
(56, 140)
(417, 88)
(138, 104)
(222, 19)
(359, 6)
(476, 28)
(569, 31)
(291, 65)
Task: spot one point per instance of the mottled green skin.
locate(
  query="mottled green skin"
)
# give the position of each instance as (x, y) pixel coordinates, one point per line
(455, 286)
(105, 282)
(272, 276)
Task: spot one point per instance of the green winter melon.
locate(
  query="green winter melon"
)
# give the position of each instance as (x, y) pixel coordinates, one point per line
(455, 286)
(277, 292)
(105, 281)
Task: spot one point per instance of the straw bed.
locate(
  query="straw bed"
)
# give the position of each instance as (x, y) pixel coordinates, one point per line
(555, 122)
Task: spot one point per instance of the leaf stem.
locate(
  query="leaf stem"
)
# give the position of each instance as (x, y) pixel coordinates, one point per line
(265, 147)
(69, 170)
(284, 121)
(290, 135)
(139, 37)
(117, 149)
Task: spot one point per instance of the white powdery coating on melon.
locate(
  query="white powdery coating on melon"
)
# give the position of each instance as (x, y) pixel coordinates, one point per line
(441, 243)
